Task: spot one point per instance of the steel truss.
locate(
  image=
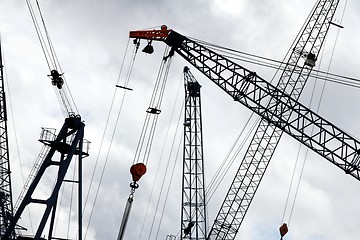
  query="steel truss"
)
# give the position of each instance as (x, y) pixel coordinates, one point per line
(193, 215)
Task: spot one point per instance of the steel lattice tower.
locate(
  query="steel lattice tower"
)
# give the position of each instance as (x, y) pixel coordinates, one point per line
(193, 215)
(6, 204)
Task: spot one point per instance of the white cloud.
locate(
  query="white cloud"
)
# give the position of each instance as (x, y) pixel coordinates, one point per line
(90, 39)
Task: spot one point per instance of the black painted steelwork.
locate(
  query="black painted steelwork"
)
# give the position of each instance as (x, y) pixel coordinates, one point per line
(302, 59)
(277, 106)
(6, 204)
(64, 146)
(193, 215)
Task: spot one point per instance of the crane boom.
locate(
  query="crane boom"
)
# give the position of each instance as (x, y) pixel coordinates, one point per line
(302, 59)
(255, 93)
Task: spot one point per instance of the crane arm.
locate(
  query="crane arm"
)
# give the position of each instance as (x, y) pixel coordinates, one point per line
(302, 58)
(249, 89)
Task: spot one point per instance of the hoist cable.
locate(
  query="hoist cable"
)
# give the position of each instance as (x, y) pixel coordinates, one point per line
(229, 159)
(270, 63)
(147, 134)
(154, 124)
(148, 115)
(166, 170)
(290, 185)
(317, 110)
(112, 137)
(67, 103)
(161, 155)
(168, 189)
(38, 31)
(52, 52)
(298, 154)
(218, 178)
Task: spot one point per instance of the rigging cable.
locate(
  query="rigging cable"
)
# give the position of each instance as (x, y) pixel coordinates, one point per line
(218, 178)
(154, 109)
(317, 109)
(276, 64)
(161, 158)
(63, 94)
(127, 80)
(141, 157)
(226, 163)
(167, 165)
(9, 101)
(168, 189)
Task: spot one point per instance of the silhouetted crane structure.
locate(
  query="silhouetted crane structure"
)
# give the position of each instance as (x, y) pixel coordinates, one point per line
(6, 204)
(302, 59)
(277, 106)
(57, 154)
(193, 215)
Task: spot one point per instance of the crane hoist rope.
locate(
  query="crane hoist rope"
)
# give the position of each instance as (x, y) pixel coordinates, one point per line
(143, 149)
(167, 166)
(230, 158)
(56, 74)
(125, 84)
(317, 110)
(280, 65)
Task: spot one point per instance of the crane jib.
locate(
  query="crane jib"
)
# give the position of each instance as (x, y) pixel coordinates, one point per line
(254, 92)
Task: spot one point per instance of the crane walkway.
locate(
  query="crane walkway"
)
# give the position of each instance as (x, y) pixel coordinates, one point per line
(47, 134)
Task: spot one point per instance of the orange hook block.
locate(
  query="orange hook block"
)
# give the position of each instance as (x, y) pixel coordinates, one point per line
(137, 170)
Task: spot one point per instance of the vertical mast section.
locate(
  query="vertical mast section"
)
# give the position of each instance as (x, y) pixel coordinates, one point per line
(6, 204)
(62, 150)
(193, 215)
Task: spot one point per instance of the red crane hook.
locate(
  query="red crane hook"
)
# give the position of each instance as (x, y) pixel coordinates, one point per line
(137, 170)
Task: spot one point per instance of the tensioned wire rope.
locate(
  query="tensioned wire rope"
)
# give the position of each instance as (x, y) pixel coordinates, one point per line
(236, 148)
(159, 87)
(165, 175)
(270, 63)
(307, 149)
(146, 136)
(161, 157)
(52, 62)
(9, 101)
(276, 64)
(126, 84)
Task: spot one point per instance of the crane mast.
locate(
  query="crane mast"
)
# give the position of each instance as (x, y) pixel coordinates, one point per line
(193, 215)
(6, 204)
(303, 56)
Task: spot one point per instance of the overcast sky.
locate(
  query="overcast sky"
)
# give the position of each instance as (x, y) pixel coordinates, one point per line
(90, 39)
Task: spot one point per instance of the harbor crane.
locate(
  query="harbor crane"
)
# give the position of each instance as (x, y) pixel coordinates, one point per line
(58, 152)
(277, 106)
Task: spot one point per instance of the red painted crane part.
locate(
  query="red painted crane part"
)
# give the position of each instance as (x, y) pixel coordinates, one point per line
(137, 171)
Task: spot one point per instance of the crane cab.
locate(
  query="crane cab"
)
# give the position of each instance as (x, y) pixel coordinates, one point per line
(310, 60)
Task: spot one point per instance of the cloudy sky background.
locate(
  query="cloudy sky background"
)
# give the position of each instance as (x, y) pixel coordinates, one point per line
(90, 39)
